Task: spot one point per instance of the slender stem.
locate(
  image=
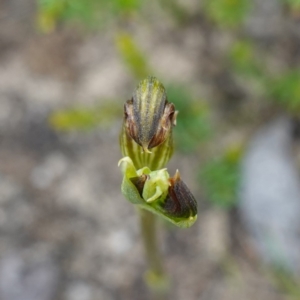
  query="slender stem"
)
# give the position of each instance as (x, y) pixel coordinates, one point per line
(155, 277)
(148, 226)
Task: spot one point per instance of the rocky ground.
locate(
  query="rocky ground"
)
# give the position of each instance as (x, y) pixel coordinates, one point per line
(66, 232)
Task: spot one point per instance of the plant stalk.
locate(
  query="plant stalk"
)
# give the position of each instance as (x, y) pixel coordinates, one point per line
(156, 278)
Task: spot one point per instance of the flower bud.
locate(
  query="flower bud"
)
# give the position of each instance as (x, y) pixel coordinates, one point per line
(180, 202)
(155, 191)
(148, 122)
(148, 116)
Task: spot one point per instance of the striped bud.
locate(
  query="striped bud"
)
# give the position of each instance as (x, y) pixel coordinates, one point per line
(148, 116)
(148, 122)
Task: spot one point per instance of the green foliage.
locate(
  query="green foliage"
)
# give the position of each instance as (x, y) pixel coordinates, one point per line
(220, 178)
(49, 12)
(294, 4)
(283, 89)
(286, 283)
(90, 13)
(175, 10)
(228, 13)
(286, 90)
(83, 118)
(132, 55)
(244, 59)
(125, 6)
(193, 126)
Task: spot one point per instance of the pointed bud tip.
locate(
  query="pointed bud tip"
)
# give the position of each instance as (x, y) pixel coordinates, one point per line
(145, 149)
(177, 175)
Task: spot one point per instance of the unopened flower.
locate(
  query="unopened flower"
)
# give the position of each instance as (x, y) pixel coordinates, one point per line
(147, 145)
(159, 193)
(149, 117)
(146, 135)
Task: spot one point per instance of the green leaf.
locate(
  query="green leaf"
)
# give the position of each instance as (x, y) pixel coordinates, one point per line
(90, 13)
(220, 178)
(83, 118)
(132, 56)
(126, 6)
(285, 90)
(228, 13)
(49, 12)
(244, 59)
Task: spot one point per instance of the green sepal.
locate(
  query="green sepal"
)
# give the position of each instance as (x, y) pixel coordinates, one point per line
(154, 193)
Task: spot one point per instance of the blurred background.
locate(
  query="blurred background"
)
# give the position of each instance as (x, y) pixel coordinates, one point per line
(232, 68)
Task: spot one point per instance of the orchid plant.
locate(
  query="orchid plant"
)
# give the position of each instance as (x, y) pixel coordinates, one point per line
(146, 142)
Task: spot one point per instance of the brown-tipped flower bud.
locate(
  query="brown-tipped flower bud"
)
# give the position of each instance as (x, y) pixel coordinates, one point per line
(155, 191)
(149, 117)
(180, 202)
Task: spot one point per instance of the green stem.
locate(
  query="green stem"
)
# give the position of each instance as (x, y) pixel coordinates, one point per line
(156, 279)
(148, 226)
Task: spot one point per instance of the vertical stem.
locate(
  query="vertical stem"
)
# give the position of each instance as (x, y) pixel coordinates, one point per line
(155, 277)
(148, 226)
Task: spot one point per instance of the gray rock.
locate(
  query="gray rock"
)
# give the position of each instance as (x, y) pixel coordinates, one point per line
(78, 291)
(16, 213)
(52, 168)
(9, 190)
(33, 279)
(270, 196)
(82, 290)
(265, 19)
